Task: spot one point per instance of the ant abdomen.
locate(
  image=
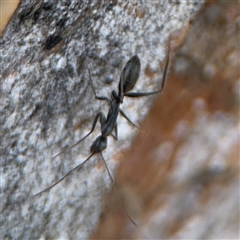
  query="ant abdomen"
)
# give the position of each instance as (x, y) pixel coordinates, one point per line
(130, 74)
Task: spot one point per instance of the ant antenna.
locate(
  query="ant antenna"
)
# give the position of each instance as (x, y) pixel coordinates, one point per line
(115, 190)
(72, 170)
(68, 148)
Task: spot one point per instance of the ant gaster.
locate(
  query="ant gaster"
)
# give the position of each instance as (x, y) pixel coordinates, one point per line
(128, 79)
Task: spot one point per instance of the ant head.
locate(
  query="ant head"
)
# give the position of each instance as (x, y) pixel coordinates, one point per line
(99, 144)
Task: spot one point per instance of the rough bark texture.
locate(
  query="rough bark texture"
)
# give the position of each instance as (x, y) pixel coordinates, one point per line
(184, 182)
(47, 104)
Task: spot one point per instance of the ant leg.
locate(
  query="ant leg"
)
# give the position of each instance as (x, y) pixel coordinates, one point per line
(116, 133)
(50, 187)
(127, 118)
(166, 68)
(133, 94)
(101, 115)
(93, 88)
(140, 94)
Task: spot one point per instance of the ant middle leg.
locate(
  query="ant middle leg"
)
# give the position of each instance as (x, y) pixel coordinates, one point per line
(130, 121)
(127, 118)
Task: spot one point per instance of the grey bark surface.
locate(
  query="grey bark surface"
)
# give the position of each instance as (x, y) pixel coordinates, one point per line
(47, 104)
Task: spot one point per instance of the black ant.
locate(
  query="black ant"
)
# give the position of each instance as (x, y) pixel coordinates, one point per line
(128, 79)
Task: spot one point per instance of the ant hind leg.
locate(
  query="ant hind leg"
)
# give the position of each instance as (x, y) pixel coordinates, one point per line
(93, 88)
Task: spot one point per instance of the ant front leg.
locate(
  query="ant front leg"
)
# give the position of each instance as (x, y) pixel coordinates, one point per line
(101, 115)
(116, 132)
(102, 119)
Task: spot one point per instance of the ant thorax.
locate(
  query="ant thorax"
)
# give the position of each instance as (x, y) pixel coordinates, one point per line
(116, 97)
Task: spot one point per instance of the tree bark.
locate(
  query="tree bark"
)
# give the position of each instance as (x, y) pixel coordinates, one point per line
(47, 104)
(184, 182)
